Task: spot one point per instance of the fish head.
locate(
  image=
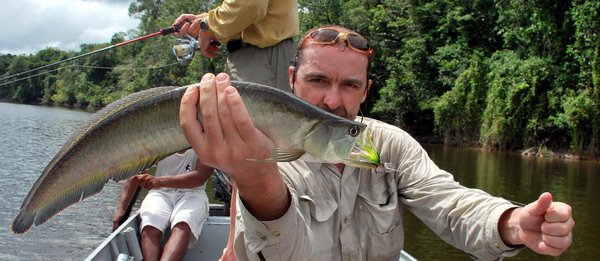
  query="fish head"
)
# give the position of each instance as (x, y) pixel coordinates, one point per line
(343, 141)
(364, 153)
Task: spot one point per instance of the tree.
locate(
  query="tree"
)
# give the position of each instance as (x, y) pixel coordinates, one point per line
(500, 74)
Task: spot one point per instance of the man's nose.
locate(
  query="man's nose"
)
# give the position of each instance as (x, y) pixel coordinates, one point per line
(332, 98)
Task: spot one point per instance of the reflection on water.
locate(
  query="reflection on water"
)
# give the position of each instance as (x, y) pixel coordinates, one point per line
(31, 135)
(519, 179)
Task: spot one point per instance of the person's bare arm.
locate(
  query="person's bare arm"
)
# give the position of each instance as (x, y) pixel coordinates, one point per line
(128, 189)
(191, 179)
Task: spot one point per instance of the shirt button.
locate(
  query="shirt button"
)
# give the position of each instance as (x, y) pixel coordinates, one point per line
(261, 235)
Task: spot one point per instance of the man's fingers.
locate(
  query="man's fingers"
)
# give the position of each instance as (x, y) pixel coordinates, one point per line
(209, 109)
(183, 30)
(204, 44)
(240, 114)
(193, 29)
(558, 212)
(539, 207)
(558, 228)
(187, 117)
(183, 20)
(561, 243)
(144, 178)
(230, 131)
(212, 51)
(545, 249)
(180, 20)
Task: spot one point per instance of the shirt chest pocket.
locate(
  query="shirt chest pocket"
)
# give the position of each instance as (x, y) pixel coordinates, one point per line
(380, 211)
(321, 211)
(378, 204)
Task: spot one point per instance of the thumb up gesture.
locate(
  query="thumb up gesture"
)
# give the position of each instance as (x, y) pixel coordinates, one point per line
(544, 226)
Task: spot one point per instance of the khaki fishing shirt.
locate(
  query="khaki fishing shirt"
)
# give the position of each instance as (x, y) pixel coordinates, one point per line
(357, 214)
(262, 23)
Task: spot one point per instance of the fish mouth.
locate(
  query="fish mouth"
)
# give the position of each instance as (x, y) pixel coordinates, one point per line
(365, 154)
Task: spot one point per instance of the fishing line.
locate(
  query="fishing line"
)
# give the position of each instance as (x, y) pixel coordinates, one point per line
(89, 66)
(125, 68)
(361, 115)
(31, 76)
(165, 31)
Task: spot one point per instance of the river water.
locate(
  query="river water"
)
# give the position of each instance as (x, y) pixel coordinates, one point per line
(520, 179)
(31, 135)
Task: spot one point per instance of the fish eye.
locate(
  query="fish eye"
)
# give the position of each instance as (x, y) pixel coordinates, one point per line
(354, 131)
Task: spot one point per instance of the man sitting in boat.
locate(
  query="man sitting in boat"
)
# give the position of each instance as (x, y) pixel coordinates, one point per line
(312, 210)
(177, 198)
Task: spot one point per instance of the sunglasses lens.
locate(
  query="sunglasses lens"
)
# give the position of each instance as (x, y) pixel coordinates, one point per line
(358, 42)
(324, 35)
(330, 36)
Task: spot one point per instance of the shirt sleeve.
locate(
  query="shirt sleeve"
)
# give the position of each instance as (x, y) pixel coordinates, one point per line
(233, 16)
(463, 217)
(286, 238)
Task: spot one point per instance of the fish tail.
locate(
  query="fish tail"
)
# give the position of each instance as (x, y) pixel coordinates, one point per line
(22, 222)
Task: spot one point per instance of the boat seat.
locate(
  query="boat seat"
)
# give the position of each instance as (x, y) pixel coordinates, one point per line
(127, 242)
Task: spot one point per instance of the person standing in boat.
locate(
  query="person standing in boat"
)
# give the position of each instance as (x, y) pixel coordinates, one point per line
(177, 199)
(257, 34)
(307, 210)
(258, 37)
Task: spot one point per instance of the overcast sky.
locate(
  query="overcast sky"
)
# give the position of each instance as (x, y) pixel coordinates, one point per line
(31, 25)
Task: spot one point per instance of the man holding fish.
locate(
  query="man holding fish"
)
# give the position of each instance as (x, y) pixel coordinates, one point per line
(311, 209)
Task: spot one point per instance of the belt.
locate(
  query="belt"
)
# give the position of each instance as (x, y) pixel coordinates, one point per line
(235, 45)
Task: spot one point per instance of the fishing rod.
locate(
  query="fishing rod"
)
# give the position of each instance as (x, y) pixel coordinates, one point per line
(84, 66)
(183, 50)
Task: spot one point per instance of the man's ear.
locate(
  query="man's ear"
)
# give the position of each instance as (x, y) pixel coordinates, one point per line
(369, 82)
(292, 75)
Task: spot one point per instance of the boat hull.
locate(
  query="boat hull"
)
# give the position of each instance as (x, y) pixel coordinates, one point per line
(126, 239)
(212, 240)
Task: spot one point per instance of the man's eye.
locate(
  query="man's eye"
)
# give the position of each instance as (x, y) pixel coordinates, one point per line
(352, 86)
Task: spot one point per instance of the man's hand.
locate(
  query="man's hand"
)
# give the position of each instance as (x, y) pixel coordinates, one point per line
(148, 181)
(544, 226)
(207, 42)
(116, 218)
(189, 25)
(227, 139)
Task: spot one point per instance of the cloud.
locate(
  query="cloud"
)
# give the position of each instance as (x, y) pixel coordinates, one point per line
(32, 25)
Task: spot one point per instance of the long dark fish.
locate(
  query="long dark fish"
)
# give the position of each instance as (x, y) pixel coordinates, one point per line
(135, 132)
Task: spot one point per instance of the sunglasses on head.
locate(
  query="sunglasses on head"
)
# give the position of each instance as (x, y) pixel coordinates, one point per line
(326, 36)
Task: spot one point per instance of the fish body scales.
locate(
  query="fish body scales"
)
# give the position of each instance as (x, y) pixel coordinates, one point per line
(132, 133)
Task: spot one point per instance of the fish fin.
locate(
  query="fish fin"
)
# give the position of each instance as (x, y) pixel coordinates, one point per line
(283, 155)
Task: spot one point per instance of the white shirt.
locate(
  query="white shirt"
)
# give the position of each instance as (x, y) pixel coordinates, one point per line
(177, 164)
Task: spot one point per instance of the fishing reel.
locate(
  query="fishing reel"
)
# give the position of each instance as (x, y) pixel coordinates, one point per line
(184, 49)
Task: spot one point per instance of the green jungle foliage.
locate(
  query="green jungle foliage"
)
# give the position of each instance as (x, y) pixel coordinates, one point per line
(497, 74)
